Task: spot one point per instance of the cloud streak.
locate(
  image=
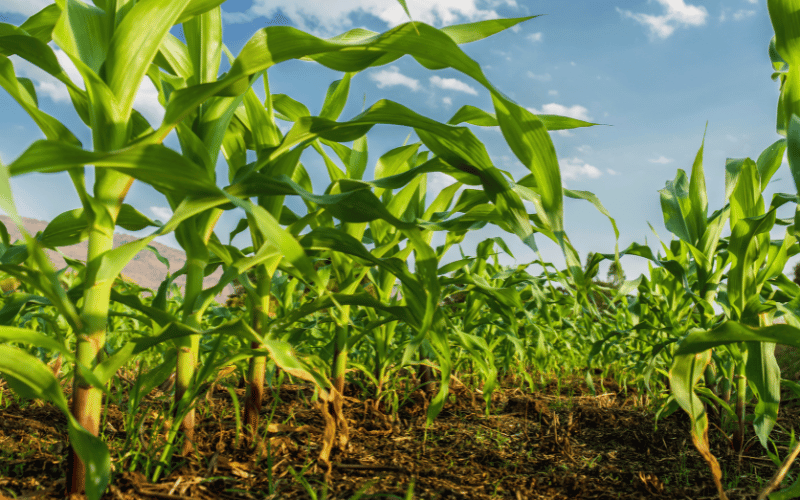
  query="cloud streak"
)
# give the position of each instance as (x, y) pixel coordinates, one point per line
(541, 78)
(26, 8)
(662, 160)
(576, 111)
(338, 16)
(452, 84)
(677, 14)
(392, 77)
(577, 169)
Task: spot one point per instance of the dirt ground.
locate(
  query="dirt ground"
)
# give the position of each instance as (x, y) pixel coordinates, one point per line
(557, 443)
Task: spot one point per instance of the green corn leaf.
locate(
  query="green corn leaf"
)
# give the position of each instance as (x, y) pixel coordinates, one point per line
(196, 8)
(787, 46)
(476, 116)
(71, 227)
(14, 40)
(472, 32)
(764, 375)
(131, 49)
(194, 149)
(731, 332)
(676, 206)
(744, 251)
(67, 228)
(793, 150)
(746, 199)
(261, 122)
(289, 109)
(769, 161)
(405, 7)
(777, 260)
(30, 337)
(154, 312)
(528, 139)
(173, 57)
(83, 31)
(334, 172)
(683, 376)
(14, 304)
(156, 165)
(594, 200)
(698, 206)
(266, 254)
(45, 280)
(52, 128)
(41, 24)
(336, 98)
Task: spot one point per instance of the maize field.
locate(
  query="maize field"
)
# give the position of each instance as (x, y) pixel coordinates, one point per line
(352, 361)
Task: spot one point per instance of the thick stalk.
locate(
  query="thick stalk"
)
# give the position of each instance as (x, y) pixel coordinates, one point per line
(727, 383)
(426, 377)
(87, 400)
(741, 393)
(110, 190)
(254, 394)
(188, 348)
(378, 372)
(339, 362)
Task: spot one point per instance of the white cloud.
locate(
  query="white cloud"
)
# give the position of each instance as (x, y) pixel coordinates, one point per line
(575, 169)
(576, 111)
(26, 8)
(584, 149)
(663, 160)
(535, 37)
(743, 14)
(335, 17)
(163, 213)
(553, 92)
(572, 63)
(392, 76)
(612, 171)
(676, 14)
(754, 2)
(447, 101)
(452, 84)
(542, 78)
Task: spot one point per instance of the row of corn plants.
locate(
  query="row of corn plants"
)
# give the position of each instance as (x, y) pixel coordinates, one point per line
(333, 290)
(115, 45)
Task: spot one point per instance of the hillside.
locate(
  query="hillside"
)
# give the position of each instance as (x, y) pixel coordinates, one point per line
(145, 269)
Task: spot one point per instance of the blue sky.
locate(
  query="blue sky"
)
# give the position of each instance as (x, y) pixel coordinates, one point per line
(654, 71)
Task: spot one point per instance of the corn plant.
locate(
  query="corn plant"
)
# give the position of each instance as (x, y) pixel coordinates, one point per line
(754, 261)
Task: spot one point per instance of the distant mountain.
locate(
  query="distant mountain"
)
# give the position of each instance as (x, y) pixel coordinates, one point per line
(145, 269)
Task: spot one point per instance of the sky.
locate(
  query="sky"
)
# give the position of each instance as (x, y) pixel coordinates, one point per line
(653, 72)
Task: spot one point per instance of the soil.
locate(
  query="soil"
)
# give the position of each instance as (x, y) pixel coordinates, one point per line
(559, 442)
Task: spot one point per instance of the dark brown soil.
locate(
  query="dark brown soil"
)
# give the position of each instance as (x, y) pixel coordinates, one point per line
(558, 443)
